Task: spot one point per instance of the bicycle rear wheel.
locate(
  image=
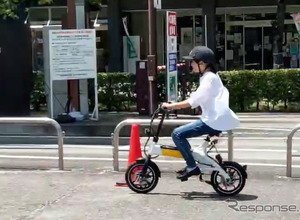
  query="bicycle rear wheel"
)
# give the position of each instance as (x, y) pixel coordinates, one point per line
(237, 181)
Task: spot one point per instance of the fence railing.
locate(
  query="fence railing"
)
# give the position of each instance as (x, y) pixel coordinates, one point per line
(145, 122)
(289, 154)
(41, 120)
(142, 122)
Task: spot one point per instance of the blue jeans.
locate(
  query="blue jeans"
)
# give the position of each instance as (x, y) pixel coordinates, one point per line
(193, 129)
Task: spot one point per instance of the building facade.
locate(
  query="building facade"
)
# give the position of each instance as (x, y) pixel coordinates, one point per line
(240, 32)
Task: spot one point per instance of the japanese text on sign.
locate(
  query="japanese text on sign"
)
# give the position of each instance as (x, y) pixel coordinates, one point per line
(172, 24)
(172, 62)
(171, 29)
(72, 54)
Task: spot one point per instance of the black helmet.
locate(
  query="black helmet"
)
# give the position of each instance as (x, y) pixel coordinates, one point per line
(201, 53)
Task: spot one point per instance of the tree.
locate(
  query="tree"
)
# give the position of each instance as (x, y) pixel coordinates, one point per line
(14, 8)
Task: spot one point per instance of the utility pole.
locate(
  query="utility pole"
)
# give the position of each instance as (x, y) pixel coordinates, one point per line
(73, 85)
(278, 29)
(152, 56)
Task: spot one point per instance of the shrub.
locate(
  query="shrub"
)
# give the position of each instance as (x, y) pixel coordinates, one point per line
(116, 91)
(248, 89)
(38, 96)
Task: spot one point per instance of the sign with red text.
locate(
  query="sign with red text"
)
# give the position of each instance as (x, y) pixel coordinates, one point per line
(172, 56)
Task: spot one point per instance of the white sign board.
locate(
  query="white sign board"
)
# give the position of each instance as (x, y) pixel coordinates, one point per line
(72, 54)
(172, 56)
(157, 4)
(131, 53)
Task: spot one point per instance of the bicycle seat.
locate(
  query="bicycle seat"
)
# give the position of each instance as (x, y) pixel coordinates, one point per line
(217, 135)
(209, 137)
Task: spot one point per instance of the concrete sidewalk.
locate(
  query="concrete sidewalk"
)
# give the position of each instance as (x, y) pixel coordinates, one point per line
(109, 120)
(81, 194)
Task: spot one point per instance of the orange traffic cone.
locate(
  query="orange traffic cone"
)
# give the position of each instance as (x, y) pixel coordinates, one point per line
(135, 145)
(134, 150)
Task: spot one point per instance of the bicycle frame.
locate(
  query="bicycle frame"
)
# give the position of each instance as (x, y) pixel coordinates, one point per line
(206, 163)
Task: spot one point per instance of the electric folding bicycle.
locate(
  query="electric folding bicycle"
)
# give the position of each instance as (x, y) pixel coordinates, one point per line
(228, 178)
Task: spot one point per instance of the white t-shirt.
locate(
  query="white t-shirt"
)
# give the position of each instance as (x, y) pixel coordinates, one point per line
(213, 98)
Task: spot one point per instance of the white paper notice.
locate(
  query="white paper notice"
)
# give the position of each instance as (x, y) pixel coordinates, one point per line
(268, 46)
(256, 47)
(229, 54)
(289, 36)
(142, 65)
(229, 37)
(238, 38)
(72, 54)
(266, 40)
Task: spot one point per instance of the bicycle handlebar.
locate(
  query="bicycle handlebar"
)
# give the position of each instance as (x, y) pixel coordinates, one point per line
(157, 111)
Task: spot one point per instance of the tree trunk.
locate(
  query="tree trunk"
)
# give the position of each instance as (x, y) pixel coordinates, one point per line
(285, 104)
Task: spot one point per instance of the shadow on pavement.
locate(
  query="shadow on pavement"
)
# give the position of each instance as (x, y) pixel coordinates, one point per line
(163, 194)
(207, 196)
(215, 196)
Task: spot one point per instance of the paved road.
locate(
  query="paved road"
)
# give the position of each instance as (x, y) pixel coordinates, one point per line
(253, 152)
(78, 195)
(31, 187)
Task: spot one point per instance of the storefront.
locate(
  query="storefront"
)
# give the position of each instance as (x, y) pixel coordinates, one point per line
(242, 32)
(243, 36)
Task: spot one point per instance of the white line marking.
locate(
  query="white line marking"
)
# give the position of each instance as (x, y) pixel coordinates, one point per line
(256, 150)
(56, 158)
(267, 164)
(123, 159)
(243, 163)
(33, 171)
(126, 148)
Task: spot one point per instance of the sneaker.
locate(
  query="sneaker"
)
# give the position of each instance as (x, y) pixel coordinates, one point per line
(189, 173)
(181, 171)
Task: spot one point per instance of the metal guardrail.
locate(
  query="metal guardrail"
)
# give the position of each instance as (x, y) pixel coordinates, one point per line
(41, 120)
(144, 122)
(289, 151)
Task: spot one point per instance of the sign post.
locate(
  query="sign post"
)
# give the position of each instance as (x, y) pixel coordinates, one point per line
(151, 65)
(73, 56)
(172, 86)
